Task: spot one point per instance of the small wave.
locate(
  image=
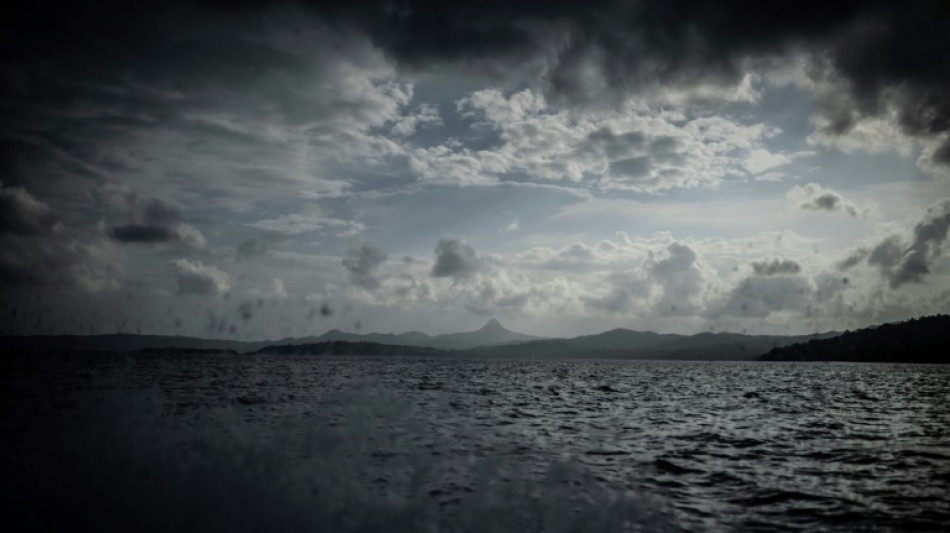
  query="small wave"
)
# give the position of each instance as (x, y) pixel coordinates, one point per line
(773, 496)
(673, 468)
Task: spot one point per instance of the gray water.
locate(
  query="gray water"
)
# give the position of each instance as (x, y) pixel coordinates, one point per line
(371, 444)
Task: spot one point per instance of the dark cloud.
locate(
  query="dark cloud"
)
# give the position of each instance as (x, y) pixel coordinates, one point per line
(882, 53)
(776, 267)
(36, 249)
(614, 146)
(888, 253)
(942, 154)
(926, 247)
(257, 246)
(814, 197)
(77, 260)
(176, 92)
(853, 259)
(826, 201)
(901, 262)
(664, 144)
(143, 234)
(634, 167)
(363, 262)
(663, 150)
(154, 222)
(455, 258)
(22, 214)
(830, 201)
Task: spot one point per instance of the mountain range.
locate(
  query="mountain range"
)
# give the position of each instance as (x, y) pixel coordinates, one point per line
(923, 340)
(492, 340)
(491, 334)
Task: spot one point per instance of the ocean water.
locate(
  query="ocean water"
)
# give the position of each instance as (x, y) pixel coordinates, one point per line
(247, 443)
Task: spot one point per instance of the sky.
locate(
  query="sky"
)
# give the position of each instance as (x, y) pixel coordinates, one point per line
(259, 170)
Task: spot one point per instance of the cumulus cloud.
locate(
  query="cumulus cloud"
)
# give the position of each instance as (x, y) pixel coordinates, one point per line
(636, 147)
(759, 296)
(455, 258)
(628, 291)
(667, 281)
(680, 278)
(154, 222)
(194, 277)
(814, 197)
(363, 262)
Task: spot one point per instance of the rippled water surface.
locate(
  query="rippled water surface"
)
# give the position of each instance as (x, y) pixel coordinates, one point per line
(473, 445)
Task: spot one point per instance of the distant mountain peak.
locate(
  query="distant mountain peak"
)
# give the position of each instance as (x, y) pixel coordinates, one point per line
(493, 324)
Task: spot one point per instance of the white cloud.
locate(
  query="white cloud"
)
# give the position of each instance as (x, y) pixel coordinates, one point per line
(424, 116)
(759, 160)
(641, 147)
(194, 277)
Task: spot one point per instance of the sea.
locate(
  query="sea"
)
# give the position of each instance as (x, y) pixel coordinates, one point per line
(125, 442)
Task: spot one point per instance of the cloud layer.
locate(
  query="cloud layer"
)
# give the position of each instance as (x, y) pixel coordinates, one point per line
(682, 165)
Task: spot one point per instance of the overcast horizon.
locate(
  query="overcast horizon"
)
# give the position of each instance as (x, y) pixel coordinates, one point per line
(282, 169)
